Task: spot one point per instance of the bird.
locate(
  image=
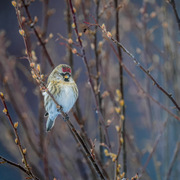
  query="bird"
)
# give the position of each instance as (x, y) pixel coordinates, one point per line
(64, 90)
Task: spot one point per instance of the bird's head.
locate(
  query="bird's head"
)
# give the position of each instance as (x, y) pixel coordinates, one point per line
(61, 72)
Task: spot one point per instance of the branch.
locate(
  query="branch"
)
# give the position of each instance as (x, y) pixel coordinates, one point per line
(153, 149)
(141, 88)
(173, 4)
(42, 43)
(136, 62)
(17, 140)
(121, 87)
(88, 71)
(176, 151)
(14, 164)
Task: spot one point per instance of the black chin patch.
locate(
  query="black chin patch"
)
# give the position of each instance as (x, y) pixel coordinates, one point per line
(66, 80)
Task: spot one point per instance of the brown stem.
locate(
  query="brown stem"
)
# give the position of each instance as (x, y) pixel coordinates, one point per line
(153, 149)
(17, 137)
(147, 73)
(17, 165)
(88, 72)
(176, 151)
(69, 29)
(169, 95)
(41, 109)
(121, 87)
(42, 43)
(142, 90)
(98, 83)
(173, 4)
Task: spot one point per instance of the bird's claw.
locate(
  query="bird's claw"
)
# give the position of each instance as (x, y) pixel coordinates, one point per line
(59, 108)
(66, 117)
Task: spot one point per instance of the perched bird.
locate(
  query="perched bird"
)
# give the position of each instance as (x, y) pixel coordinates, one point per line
(63, 88)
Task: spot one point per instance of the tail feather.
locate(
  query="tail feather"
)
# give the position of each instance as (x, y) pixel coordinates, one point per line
(49, 124)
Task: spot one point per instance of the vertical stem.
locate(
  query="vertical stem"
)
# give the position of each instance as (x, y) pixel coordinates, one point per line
(88, 72)
(121, 86)
(41, 110)
(98, 95)
(69, 30)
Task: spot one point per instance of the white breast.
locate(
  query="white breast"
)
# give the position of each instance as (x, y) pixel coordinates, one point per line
(66, 98)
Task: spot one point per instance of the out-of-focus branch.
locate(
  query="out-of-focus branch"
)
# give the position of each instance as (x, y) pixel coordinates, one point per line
(148, 74)
(17, 140)
(88, 71)
(42, 142)
(41, 41)
(176, 151)
(69, 29)
(141, 88)
(98, 82)
(121, 87)
(136, 62)
(153, 149)
(173, 4)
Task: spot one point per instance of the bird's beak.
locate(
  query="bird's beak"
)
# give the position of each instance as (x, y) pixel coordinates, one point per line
(66, 77)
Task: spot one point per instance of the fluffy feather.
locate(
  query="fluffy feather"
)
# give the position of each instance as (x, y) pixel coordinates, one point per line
(64, 91)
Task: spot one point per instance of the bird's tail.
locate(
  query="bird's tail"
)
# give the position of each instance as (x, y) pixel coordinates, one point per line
(50, 123)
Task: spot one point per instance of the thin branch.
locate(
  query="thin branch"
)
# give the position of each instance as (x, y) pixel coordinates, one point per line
(141, 88)
(153, 149)
(69, 29)
(42, 43)
(88, 71)
(148, 74)
(173, 4)
(14, 164)
(174, 158)
(98, 83)
(136, 62)
(42, 142)
(18, 142)
(121, 87)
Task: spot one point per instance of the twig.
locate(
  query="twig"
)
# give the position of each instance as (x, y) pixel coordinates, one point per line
(14, 164)
(173, 4)
(121, 87)
(142, 90)
(87, 140)
(85, 148)
(69, 29)
(176, 151)
(88, 71)
(17, 140)
(153, 149)
(42, 141)
(136, 62)
(20, 106)
(148, 74)
(98, 82)
(42, 43)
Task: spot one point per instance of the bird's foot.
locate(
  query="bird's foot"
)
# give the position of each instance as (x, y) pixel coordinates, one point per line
(59, 108)
(66, 117)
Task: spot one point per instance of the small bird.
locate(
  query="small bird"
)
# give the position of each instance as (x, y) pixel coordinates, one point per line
(62, 86)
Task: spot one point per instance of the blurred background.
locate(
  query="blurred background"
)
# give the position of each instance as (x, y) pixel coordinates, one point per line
(149, 30)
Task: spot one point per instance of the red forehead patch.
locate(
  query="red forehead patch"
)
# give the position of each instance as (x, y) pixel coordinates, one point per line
(66, 69)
